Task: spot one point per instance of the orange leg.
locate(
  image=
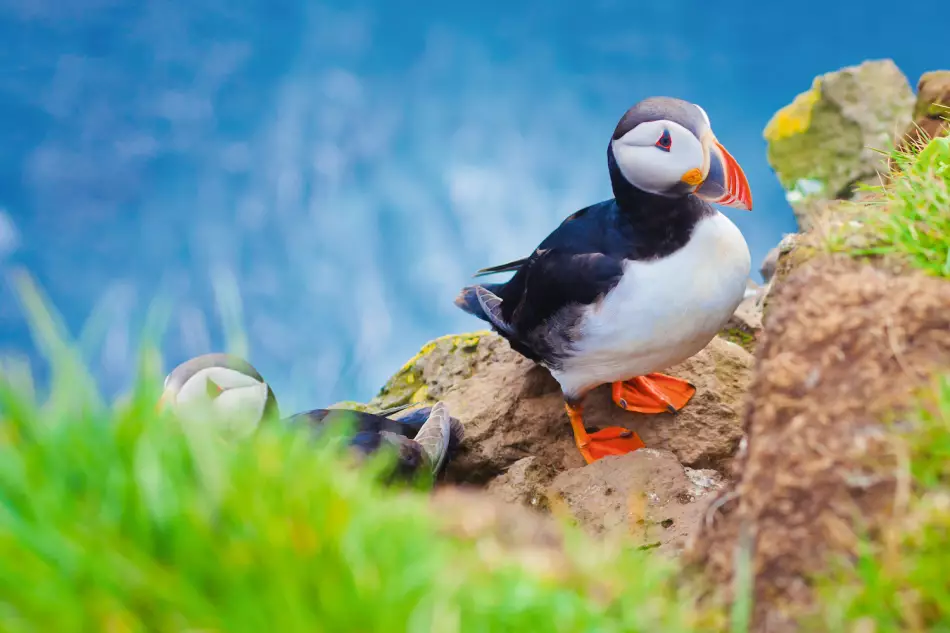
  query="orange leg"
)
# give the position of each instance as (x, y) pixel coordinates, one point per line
(613, 440)
(653, 393)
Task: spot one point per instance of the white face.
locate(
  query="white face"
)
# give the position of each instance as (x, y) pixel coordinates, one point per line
(229, 398)
(655, 156)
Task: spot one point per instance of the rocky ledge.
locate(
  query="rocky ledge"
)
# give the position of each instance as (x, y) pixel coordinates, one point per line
(520, 448)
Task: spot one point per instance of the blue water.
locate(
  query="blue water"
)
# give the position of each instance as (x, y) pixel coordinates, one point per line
(351, 165)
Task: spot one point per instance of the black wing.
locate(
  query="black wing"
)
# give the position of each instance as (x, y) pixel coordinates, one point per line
(556, 279)
(362, 422)
(575, 266)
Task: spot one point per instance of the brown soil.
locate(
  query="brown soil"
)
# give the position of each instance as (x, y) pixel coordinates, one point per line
(843, 346)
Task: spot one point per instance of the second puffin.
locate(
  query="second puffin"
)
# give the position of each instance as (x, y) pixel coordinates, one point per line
(633, 285)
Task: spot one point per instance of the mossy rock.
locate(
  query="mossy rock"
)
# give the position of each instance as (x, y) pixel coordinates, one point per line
(451, 355)
(831, 136)
(352, 405)
(741, 337)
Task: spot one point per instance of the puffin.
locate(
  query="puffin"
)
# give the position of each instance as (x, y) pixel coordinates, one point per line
(231, 389)
(630, 286)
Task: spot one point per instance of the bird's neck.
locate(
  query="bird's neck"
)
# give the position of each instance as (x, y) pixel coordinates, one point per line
(641, 207)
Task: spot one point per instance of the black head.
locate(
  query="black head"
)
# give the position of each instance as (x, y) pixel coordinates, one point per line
(665, 147)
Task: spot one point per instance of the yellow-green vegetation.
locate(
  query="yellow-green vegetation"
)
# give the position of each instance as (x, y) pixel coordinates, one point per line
(407, 385)
(740, 337)
(908, 218)
(898, 583)
(818, 144)
(810, 141)
(119, 518)
(795, 117)
(352, 405)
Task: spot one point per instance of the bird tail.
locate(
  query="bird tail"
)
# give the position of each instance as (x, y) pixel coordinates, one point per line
(438, 436)
(467, 300)
(413, 422)
(501, 268)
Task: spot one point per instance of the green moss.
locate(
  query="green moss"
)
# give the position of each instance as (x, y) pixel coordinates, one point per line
(810, 140)
(936, 110)
(349, 404)
(740, 337)
(408, 384)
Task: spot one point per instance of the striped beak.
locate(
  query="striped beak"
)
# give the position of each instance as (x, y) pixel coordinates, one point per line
(725, 183)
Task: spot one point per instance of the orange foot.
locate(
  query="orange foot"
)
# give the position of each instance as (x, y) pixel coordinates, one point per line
(613, 440)
(653, 393)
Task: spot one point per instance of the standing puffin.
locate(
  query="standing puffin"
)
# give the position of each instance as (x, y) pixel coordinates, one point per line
(632, 285)
(230, 388)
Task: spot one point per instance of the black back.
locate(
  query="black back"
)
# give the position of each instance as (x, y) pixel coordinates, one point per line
(363, 422)
(582, 260)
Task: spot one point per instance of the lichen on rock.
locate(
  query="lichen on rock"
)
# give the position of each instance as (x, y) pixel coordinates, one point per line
(518, 438)
(421, 380)
(830, 137)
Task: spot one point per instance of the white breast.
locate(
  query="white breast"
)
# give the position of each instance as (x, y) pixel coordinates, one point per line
(662, 311)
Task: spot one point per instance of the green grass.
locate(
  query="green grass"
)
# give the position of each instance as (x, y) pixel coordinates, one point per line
(907, 218)
(899, 580)
(116, 518)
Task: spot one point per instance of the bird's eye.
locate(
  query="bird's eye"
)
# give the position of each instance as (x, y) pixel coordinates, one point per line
(214, 390)
(665, 142)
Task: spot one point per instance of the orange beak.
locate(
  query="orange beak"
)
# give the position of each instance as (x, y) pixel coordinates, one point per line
(725, 182)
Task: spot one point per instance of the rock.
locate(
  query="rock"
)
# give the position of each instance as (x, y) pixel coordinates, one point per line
(745, 324)
(767, 268)
(846, 343)
(931, 112)
(646, 494)
(824, 142)
(780, 256)
(770, 262)
(512, 408)
(439, 364)
(523, 483)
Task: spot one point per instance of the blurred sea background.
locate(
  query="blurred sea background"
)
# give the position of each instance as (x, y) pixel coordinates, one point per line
(345, 167)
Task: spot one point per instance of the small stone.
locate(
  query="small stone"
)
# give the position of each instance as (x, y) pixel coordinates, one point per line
(667, 520)
(931, 112)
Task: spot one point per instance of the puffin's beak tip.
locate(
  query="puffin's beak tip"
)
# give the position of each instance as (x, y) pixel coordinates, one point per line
(726, 184)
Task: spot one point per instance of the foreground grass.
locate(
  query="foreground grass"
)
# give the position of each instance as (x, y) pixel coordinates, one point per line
(122, 519)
